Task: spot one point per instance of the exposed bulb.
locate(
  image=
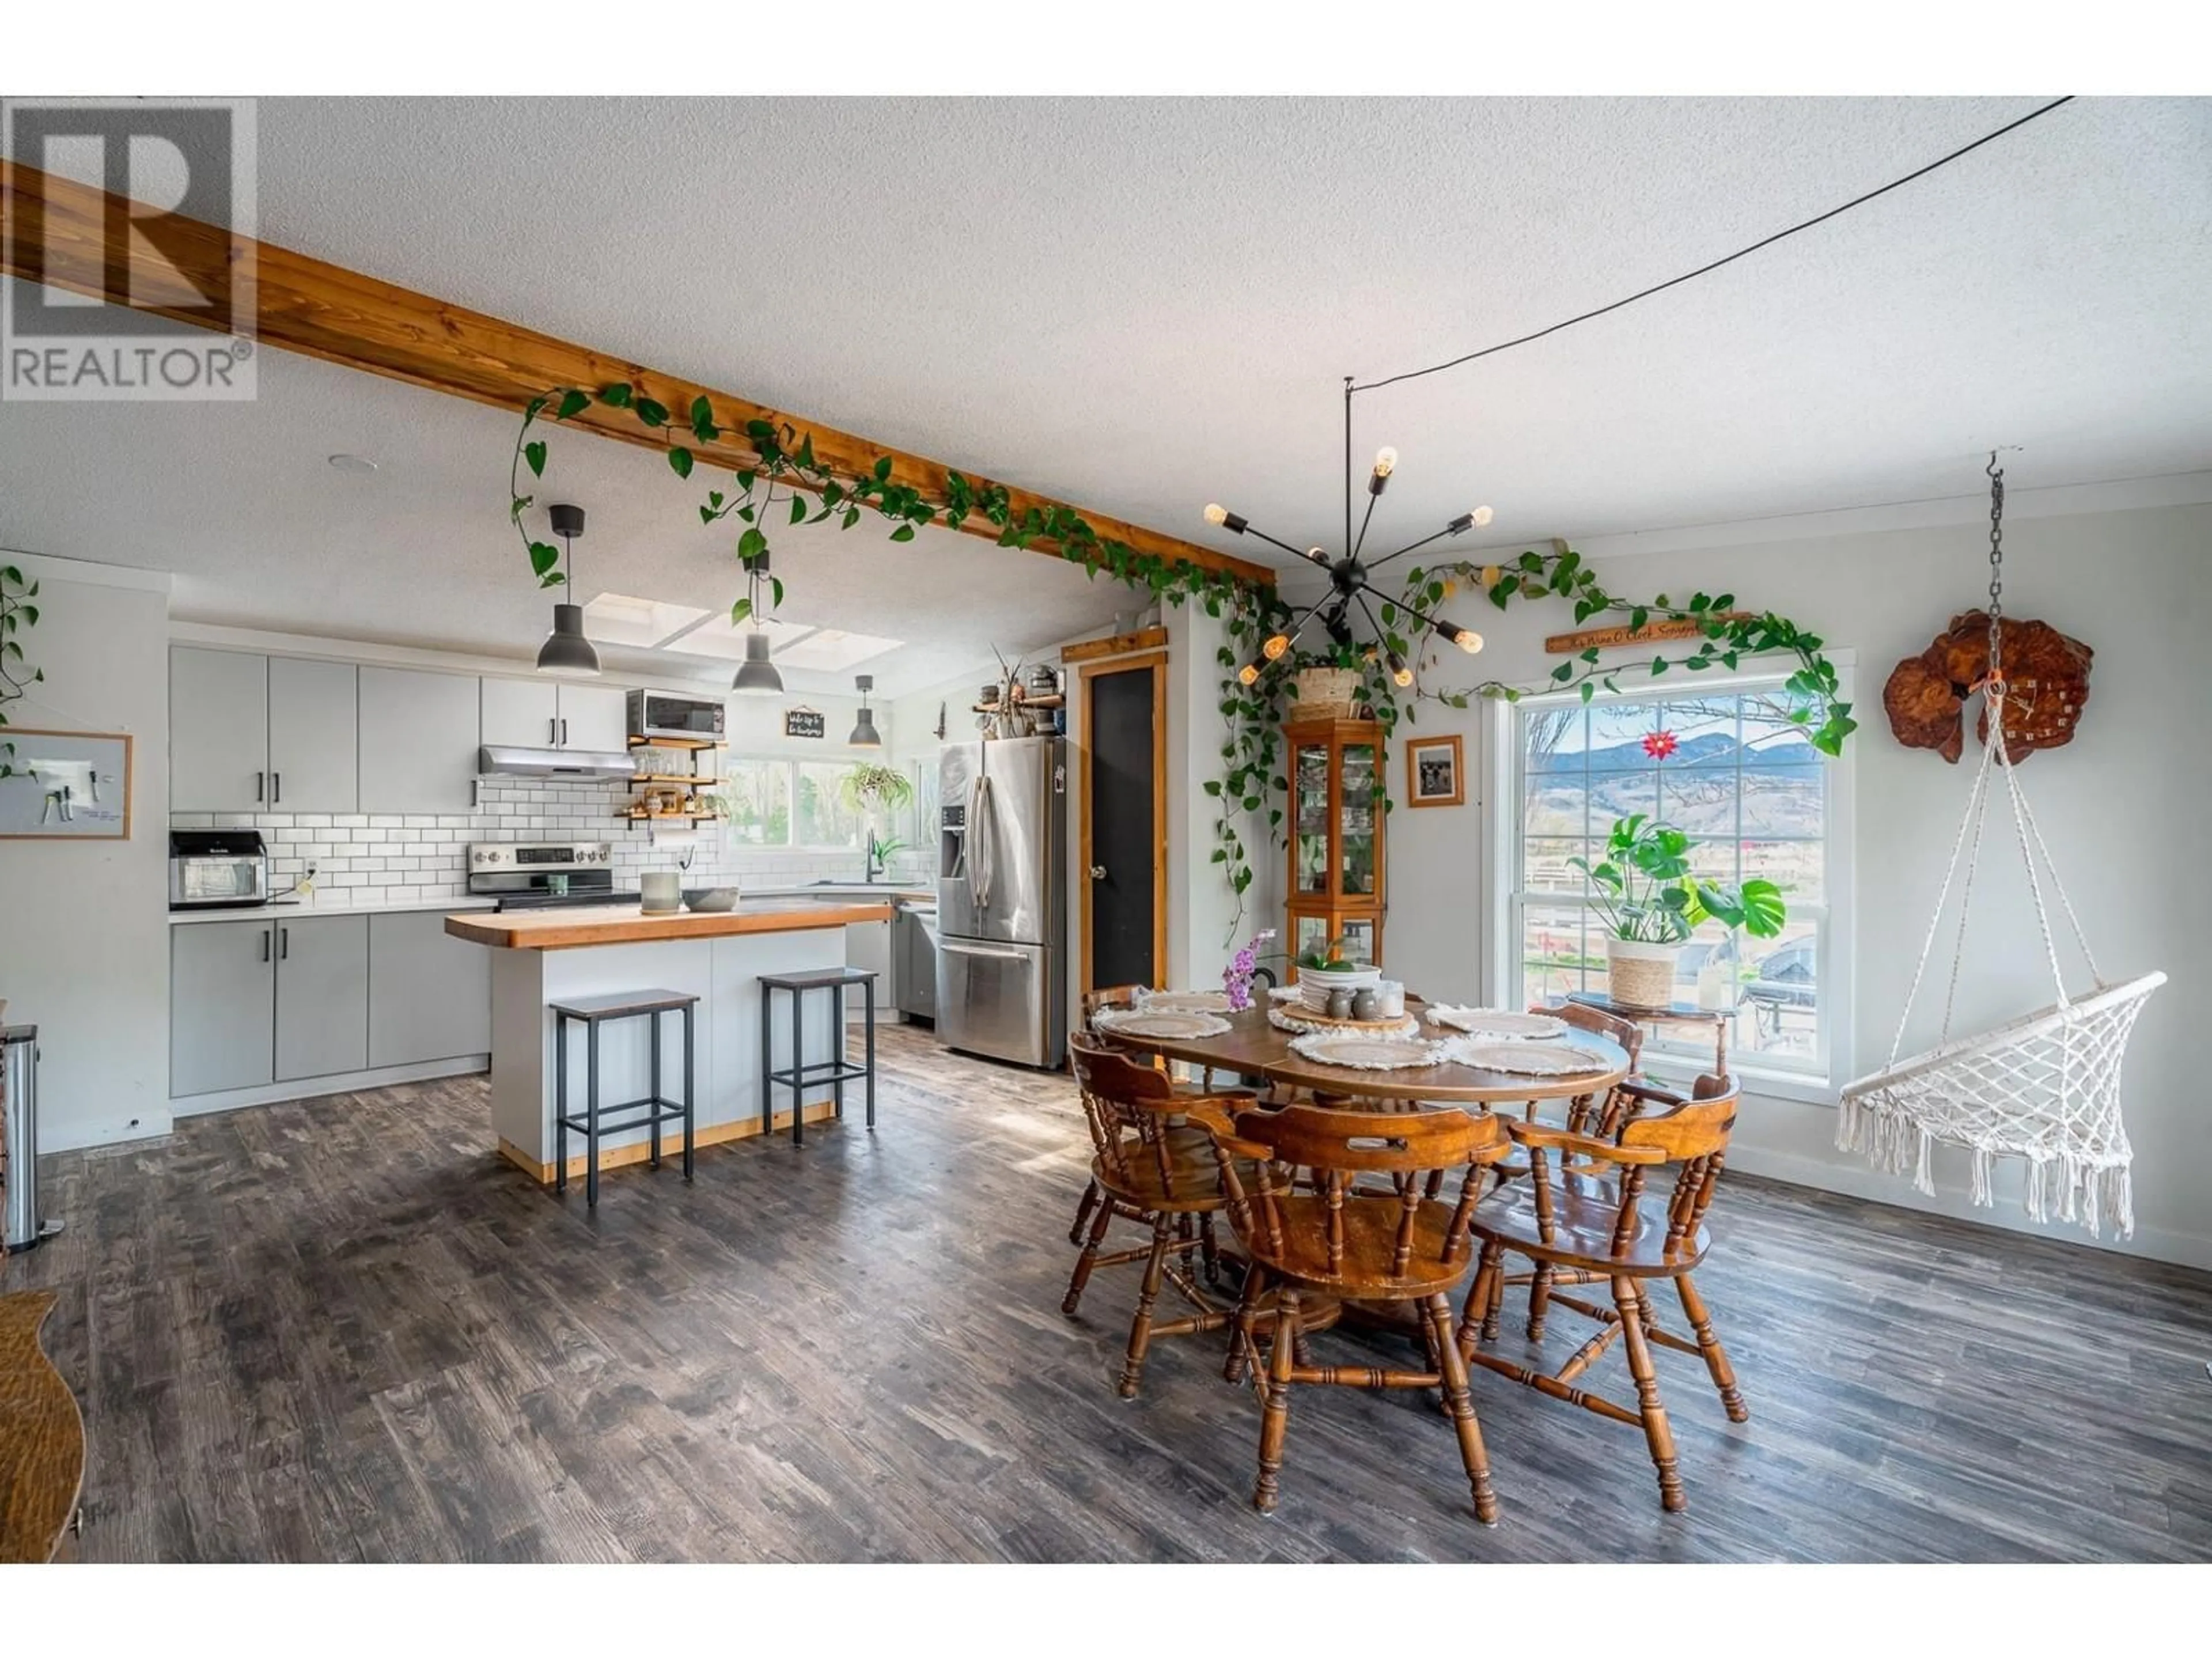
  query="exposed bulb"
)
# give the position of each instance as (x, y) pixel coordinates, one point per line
(1216, 513)
(1248, 674)
(1468, 640)
(1386, 461)
(1482, 515)
(1400, 675)
(1317, 555)
(1276, 645)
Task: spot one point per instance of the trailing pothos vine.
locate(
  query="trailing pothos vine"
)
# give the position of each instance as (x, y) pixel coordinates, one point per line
(1252, 780)
(17, 675)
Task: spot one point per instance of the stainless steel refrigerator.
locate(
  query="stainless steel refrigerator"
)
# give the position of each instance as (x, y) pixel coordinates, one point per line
(1002, 899)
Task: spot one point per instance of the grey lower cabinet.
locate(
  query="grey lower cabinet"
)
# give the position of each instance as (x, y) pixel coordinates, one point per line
(222, 1005)
(218, 731)
(418, 741)
(429, 993)
(322, 996)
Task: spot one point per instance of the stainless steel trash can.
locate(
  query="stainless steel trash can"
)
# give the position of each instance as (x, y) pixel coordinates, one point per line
(21, 1225)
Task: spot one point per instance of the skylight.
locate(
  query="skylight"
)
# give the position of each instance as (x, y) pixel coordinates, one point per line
(622, 619)
(833, 650)
(716, 637)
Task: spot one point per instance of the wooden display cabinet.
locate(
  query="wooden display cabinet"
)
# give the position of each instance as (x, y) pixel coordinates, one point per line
(1337, 878)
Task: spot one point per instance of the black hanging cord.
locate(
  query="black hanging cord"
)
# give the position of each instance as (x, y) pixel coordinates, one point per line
(1658, 288)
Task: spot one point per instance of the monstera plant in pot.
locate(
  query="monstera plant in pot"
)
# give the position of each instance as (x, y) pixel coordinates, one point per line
(1651, 904)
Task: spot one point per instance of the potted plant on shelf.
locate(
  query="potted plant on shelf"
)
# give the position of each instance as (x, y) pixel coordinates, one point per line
(1327, 684)
(1651, 904)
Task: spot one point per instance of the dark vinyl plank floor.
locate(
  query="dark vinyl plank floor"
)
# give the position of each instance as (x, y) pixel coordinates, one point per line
(341, 1329)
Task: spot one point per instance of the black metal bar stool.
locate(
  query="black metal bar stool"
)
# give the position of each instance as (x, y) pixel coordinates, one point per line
(655, 1108)
(799, 1076)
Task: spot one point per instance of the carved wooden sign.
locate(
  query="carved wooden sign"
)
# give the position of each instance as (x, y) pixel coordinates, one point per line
(2047, 685)
(1663, 628)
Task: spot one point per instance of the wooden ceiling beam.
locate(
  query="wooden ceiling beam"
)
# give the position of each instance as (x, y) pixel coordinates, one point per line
(56, 236)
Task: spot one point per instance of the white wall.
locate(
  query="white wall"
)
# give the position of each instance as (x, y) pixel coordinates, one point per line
(2124, 809)
(84, 934)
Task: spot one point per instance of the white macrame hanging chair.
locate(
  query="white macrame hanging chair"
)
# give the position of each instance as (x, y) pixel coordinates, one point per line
(2045, 1087)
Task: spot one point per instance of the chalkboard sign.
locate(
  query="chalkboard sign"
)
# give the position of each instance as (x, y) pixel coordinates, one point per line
(803, 723)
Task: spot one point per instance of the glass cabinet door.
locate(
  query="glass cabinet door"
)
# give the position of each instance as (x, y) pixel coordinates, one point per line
(1358, 809)
(1311, 937)
(1309, 802)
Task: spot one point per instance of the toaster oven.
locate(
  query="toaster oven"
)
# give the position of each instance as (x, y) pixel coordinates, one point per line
(217, 867)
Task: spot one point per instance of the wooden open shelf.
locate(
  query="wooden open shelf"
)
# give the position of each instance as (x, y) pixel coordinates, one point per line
(650, 817)
(692, 780)
(679, 742)
(1057, 700)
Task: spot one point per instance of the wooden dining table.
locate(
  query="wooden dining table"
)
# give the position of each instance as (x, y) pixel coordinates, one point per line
(1251, 1047)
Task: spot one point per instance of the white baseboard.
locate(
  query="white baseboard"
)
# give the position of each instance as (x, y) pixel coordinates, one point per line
(344, 1083)
(2154, 1243)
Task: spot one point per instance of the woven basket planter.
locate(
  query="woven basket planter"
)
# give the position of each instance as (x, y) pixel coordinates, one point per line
(1326, 693)
(1640, 976)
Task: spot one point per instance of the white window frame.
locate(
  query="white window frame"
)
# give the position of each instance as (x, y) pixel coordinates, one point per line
(1817, 1085)
(791, 763)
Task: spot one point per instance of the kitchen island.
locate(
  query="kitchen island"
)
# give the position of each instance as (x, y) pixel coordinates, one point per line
(540, 956)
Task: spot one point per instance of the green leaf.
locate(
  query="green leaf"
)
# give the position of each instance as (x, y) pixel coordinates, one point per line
(534, 454)
(680, 460)
(883, 468)
(751, 544)
(1588, 691)
(851, 518)
(798, 509)
(651, 413)
(775, 591)
(1563, 673)
(1658, 666)
(543, 555)
(740, 610)
(702, 419)
(573, 403)
(903, 533)
(616, 396)
(1638, 617)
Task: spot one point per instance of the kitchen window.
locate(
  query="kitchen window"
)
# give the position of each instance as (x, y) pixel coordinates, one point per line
(1729, 766)
(774, 802)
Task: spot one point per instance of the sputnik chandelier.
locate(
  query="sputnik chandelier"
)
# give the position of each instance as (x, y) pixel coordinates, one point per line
(1347, 576)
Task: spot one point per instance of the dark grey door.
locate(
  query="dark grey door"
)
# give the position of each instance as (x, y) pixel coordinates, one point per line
(1121, 797)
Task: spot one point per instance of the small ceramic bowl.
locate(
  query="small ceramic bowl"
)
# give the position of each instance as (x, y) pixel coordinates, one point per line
(710, 898)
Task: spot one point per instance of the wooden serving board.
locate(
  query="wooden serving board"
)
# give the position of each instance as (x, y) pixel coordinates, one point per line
(1350, 1027)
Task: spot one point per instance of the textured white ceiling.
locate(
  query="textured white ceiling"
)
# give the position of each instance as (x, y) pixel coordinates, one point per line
(1143, 306)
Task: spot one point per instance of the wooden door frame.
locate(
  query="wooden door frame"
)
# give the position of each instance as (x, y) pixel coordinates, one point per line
(1157, 662)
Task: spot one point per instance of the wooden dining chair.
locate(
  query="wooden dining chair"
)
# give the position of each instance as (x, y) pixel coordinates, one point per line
(1156, 1167)
(1586, 1214)
(1321, 1237)
(1095, 1003)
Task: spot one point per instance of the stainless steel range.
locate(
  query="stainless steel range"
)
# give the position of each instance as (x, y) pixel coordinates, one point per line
(540, 875)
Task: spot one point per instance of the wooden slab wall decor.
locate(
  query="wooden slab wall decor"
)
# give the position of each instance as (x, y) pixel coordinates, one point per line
(2047, 682)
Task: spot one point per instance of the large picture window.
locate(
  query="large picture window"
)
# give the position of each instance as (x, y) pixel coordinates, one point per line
(778, 803)
(1732, 769)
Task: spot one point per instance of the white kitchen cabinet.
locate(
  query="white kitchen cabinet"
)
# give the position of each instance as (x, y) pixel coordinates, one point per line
(222, 1005)
(419, 734)
(594, 717)
(218, 731)
(429, 993)
(868, 945)
(322, 995)
(313, 735)
(548, 713)
(521, 713)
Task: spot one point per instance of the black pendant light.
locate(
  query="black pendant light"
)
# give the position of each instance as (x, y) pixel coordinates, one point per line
(865, 735)
(566, 651)
(1347, 575)
(757, 676)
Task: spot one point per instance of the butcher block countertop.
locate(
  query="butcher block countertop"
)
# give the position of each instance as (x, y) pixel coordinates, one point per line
(575, 927)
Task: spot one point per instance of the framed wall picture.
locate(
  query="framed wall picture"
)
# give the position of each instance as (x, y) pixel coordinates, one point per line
(66, 785)
(1436, 773)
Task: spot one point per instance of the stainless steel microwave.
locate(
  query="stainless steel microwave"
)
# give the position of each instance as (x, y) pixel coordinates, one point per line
(662, 714)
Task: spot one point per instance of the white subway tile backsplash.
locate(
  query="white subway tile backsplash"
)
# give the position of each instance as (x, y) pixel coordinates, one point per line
(362, 858)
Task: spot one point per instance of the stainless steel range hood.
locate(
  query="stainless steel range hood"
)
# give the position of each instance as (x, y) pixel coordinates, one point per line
(499, 760)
